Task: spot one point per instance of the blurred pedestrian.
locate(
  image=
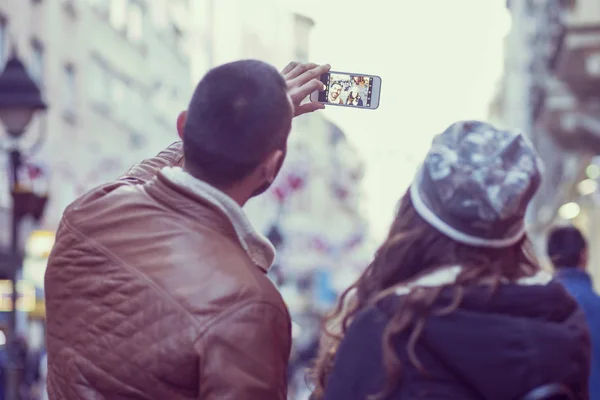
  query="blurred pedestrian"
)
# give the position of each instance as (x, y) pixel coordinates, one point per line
(156, 287)
(453, 305)
(568, 251)
(42, 391)
(26, 369)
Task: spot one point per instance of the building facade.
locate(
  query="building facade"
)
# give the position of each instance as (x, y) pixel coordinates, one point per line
(551, 89)
(114, 73)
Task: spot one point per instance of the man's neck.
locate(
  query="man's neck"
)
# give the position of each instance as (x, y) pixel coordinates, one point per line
(236, 193)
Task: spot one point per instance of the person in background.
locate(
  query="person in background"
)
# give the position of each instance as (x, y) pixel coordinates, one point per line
(33, 376)
(28, 370)
(156, 287)
(453, 306)
(568, 251)
(43, 392)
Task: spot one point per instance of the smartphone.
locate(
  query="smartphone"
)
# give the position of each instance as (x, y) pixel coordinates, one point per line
(349, 90)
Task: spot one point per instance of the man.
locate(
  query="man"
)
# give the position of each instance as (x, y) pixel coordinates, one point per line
(567, 249)
(334, 94)
(156, 287)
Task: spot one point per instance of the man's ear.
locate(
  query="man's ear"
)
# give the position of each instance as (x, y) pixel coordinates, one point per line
(273, 165)
(181, 123)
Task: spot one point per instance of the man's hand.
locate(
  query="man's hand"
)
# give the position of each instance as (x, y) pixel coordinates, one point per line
(303, 79)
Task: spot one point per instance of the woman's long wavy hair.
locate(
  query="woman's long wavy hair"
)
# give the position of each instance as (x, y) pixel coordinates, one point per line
(413, 248)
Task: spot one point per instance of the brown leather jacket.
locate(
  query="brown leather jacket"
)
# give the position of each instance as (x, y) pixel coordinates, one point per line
(150, 295)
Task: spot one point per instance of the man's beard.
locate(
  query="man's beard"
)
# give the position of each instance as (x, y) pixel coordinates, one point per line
(261, 189)
(266, 185)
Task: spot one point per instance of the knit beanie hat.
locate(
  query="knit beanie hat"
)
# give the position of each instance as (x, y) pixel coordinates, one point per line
(475, 184)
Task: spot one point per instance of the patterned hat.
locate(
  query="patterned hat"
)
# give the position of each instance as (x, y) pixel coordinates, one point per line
(476, 183)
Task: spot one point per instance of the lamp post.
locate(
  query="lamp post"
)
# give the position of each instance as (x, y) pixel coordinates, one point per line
(20, 99)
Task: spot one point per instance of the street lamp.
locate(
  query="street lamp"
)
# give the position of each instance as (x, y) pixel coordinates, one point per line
(20, 99)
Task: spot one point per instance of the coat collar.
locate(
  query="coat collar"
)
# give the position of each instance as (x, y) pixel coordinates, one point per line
(448, 275)
(258, 248)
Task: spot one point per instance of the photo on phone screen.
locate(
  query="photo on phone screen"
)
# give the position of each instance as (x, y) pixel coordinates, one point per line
(350, 90)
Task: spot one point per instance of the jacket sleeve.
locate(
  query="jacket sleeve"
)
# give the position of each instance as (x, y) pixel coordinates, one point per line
(244, 356)
(170, 157)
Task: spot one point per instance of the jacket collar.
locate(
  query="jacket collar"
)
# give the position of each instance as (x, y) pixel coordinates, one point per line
(258, 247)
(448, 275)
(574, 274)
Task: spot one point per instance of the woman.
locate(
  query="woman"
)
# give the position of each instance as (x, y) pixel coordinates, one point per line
(453, 306)
(354, 98)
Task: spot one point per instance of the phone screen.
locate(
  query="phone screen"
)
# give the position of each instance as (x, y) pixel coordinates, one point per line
(346, 89)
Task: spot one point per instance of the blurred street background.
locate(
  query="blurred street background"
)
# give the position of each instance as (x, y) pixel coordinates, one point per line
(116, 73)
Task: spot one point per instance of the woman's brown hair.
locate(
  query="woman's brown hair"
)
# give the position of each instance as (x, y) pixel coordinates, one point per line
(413, 248)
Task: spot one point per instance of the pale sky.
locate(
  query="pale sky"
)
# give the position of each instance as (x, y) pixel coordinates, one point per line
(440, 61)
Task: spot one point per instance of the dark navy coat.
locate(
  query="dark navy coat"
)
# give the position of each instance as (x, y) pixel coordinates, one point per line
(496, 347)
(579, 284)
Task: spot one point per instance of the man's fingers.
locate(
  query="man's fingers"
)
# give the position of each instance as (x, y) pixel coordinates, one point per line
(309, 107)
(303, 79)
(313, 73)
(305, 90)
(289, 67)
(299, 70)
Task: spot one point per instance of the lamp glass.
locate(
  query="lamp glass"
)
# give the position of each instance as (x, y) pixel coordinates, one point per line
(16, 119)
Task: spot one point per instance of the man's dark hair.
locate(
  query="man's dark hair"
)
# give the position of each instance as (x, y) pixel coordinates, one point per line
(239, 113)
(566, 246)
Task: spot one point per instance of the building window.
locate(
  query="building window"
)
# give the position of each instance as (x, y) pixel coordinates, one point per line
(101, 6)
(135, 112)
(120, 99)
(119, 93)
(118, 14)
(70, 90)
(36, 65)
(100, 82)
(178, 12)
(160, 13)
(127, 16)
(135, 23)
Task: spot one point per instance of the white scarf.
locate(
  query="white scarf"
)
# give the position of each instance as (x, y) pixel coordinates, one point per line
(258, 247)
(448, 275)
